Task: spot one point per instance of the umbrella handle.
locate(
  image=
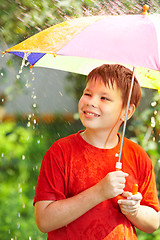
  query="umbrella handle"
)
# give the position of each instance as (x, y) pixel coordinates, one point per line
(134, 189)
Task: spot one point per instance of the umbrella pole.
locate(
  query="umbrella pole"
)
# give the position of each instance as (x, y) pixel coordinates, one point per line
(119, 164)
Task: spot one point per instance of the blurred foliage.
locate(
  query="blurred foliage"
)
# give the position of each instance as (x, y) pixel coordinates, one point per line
(21, 153)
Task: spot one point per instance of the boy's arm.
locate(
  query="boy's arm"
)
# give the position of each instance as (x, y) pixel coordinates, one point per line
(142, 217)
(51, 215)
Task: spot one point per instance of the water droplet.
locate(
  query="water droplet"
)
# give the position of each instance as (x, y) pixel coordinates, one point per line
(2, 155)
(27, 84)
(155, 112)
(23, 157)
(76, 116)
(153, 123)
(34, 105)
(34, 121)
(38, 141)
(19, 215)
(28, 124)
(18, 225)
(29, 116)
(23, 205)
(30, 238)
(2, 74)
(153, 104)
(20, 190)
(34, 96)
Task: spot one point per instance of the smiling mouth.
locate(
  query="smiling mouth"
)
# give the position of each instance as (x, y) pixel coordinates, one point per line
(91, 114)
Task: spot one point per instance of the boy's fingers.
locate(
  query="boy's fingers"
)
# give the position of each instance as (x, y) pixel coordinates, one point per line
(136, 197)
(121, 174)
(126, 194)
(129, 196)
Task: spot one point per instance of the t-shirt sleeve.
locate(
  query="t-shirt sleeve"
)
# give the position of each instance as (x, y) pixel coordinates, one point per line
(148, 188)
(51, 184)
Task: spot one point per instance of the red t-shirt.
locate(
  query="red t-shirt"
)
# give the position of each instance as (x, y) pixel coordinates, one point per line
(72, 165)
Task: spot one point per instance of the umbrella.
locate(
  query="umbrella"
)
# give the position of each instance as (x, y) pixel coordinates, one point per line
(78, 45)
(81, 44)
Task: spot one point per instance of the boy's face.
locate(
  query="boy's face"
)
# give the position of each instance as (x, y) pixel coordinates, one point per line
(100, 107)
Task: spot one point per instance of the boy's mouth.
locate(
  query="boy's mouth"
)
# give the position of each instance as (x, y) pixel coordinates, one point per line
(91, 114)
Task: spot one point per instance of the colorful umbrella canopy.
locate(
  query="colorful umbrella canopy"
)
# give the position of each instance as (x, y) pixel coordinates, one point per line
(80, 44)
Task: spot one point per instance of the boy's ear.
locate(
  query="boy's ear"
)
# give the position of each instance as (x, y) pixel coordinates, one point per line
(131, 110)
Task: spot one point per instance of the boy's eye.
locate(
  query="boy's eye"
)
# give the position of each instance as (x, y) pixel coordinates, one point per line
(87, 94)
(105, 98)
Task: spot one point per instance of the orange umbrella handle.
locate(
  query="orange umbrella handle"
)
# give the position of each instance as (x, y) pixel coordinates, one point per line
(135, 189)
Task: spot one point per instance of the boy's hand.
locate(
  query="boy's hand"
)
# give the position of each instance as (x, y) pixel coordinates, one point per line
(112, 185)
(130, 205)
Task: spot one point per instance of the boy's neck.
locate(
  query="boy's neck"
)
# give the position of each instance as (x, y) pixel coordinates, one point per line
(100, 139)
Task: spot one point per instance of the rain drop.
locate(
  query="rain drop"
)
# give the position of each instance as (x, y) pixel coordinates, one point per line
(20, 190)
(2, 74)
(23, 157)
(29, 116)
(61, 94)
(153, 123)
(34, 105)
(153, 104)
(18, 225)
(27, 84)
(28, 124)
(155, 112)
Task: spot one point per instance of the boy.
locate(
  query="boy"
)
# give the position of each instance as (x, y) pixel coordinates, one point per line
(78, 186)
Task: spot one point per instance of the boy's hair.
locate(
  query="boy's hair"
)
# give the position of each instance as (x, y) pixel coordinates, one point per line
(122, 76)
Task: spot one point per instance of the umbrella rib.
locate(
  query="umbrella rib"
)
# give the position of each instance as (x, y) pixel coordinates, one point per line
(126, 116)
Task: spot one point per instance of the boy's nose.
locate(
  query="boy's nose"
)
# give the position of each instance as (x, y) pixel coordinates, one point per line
(93, 102)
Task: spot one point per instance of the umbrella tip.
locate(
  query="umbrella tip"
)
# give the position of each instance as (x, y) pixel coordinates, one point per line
(145, 9)
(31, 66)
